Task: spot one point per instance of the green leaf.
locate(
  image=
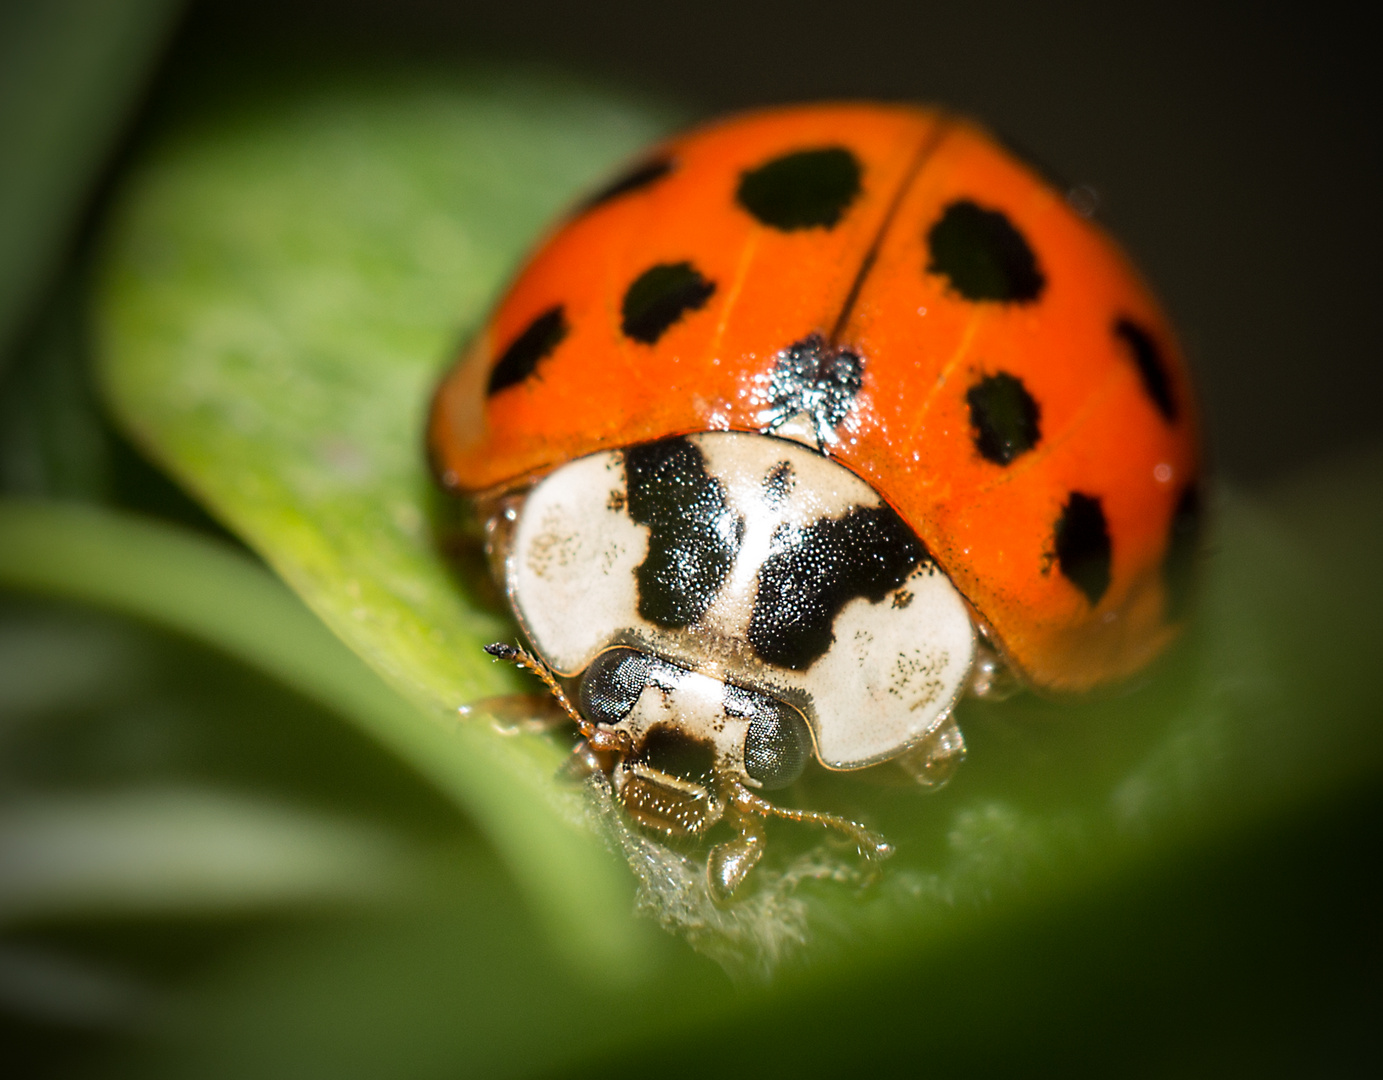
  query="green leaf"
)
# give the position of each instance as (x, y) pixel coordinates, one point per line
(185, 851)
(205, 589)
(286, 280)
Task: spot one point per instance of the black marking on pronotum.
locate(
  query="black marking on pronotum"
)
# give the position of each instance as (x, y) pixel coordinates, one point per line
(1082, 545)
(1183, 546)
(660, 296)
(694, 536)
(1004, 417)
(536, 343)
(813, 378)
(983, 255)
(1152, 367)
(818, 570)
(802, 190)
(644, 174)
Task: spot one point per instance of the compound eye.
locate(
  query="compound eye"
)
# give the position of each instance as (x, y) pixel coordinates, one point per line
(778, 746)
(611, 685)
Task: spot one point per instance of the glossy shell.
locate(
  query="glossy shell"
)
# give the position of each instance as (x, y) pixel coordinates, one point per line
(893, 285)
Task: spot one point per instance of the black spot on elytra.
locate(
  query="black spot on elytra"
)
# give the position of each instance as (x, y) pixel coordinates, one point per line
(1151, 365)
(802, 190)
(1004, 417)
(1082, 545)
(818, 570)
(645, 174)
(611, 684)
(810, 377)
(672, 751)
(537, 341)
(660, 296)
(983, 255)
(1183, 546)
(694, 535)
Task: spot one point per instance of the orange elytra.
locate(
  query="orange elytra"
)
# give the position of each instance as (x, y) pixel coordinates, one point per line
(1022, 402)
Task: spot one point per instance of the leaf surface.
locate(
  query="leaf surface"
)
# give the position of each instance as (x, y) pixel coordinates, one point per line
(286, 280)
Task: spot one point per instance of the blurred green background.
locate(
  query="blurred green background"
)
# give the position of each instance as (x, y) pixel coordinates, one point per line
(237, 242)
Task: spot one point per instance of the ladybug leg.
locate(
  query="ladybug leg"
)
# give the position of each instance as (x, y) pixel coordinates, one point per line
(539, 714)
(871, 845)
(599, 738)
(935, 760)
(517, 714)
(991, 679)
(728, 864)
(583, 763)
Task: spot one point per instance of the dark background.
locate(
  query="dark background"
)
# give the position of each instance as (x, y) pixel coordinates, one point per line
(1236, 153)
(1235, 148)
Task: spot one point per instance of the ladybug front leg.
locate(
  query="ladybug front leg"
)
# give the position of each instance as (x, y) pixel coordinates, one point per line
(599, 738)
(517, 714)
(728, 864)
(870, 844)
(935, 760)
(583, 763)
(541, 714)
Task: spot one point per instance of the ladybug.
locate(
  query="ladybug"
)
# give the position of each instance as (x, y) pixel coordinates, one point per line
(814, 421)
